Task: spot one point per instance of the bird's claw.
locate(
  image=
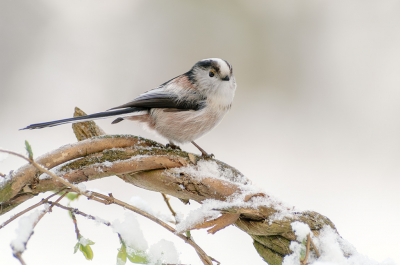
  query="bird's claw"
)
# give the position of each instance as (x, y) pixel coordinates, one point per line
(207, 156)
(172, 146)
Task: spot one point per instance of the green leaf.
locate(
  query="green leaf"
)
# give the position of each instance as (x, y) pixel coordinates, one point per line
(137, 256)
(28, 148)
(86, 250)
(76, 247)
(72, 196)
(121, 257)
(89, 242)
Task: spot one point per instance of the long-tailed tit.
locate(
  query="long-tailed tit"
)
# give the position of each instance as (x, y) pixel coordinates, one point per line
(182, 109)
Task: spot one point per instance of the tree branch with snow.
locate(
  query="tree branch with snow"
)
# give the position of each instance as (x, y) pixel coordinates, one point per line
(226, 195)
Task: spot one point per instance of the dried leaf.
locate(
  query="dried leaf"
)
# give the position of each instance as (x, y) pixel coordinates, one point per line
(248, 197)
(219, 223)
(192, 158)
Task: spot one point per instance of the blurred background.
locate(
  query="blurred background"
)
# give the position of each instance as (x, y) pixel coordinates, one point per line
(315, 120)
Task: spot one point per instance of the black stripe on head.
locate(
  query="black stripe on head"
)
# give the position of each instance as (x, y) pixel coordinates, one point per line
(229, 65)
(207, 64)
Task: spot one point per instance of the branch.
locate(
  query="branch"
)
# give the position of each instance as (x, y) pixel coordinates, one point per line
(151, 166)
(18, 253)
(43, 201)
(77, 211)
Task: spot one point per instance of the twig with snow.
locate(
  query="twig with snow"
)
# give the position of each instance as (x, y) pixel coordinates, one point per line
(43, 201)
(78, 234)
(149, 165)
(111, 200)
(77, 211)
(25, 231)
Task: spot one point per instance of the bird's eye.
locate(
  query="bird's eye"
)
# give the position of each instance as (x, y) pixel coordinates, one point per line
(211, 73)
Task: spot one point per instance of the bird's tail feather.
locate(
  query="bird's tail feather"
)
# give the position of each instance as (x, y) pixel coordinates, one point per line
(95, 116)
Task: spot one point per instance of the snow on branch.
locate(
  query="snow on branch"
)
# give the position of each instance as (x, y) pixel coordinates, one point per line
(227, 197)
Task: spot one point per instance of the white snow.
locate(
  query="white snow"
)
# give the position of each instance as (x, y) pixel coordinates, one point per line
(141, 204)
(24, 230)
(99, 220)
(81, 187)
(301, 230)
(130, 232)
(195, 217)
(144, 206)
(108, 164)
(333, 249)
(57, 169)
(164, 252)
(84, 241)
(210, 169)
(209, 209)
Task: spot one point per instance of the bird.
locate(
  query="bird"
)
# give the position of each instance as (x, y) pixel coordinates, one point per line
(181, 109)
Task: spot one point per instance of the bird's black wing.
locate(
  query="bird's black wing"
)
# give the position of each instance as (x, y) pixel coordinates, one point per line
(189, 101)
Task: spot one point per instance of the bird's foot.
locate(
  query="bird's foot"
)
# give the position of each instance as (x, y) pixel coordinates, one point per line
(172, 146)
(206, 156)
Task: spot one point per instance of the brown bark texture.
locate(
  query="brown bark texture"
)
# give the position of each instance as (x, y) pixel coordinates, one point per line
(150, 165)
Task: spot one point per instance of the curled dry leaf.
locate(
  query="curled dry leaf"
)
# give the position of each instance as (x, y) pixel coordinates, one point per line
(219, 223)
(192, 158)
(248, 197)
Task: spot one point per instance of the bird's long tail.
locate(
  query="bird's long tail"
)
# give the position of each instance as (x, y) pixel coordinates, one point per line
(95, 116)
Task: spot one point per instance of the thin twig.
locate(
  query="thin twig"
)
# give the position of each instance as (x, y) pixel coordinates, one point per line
(218, 263)
(2, 175)
(304, 261)
(76, 211)
(78, 234)
(51, 207)
(43, 201)
(19, 257)
(15, 154)
(314, 247)
(166, 199)
(44, 170)
(111, 200)
(18, 254)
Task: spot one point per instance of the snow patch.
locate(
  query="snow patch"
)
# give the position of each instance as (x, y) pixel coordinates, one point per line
(144, 206)
(81, 187)
(210, 208)
(84, 241)
(24, 230)
(164, 252)
(333, 249)
(130, 232)
(301, 230)
(210, 169)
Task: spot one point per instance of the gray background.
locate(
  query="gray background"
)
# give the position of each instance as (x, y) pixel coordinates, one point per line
(315, 120)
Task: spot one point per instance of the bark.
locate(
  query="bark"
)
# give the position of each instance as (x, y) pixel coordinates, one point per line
(149, 165)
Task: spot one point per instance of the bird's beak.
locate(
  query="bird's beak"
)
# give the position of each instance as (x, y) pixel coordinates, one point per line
(226, 78)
